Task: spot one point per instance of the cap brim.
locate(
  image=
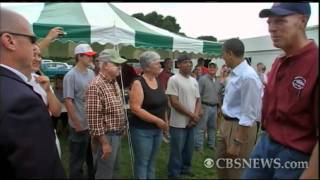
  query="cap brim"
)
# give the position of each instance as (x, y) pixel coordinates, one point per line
(275, 12)
(90, 53)
(181, 60)
(118, 60)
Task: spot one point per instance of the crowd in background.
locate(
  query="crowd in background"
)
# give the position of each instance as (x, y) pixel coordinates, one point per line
(184, 108)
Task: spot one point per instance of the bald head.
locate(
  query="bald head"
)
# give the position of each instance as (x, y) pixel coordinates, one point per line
(16, 42)
(13, 22)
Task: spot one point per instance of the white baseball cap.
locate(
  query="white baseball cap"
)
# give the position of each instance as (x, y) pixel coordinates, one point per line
(84, 49)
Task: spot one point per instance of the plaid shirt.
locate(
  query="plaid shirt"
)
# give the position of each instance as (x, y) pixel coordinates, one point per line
(104, 107)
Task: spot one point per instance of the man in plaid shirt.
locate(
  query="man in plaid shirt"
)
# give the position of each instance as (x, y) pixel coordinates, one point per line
(105, 114)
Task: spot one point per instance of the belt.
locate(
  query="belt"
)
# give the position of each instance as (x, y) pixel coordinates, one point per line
(209, 104)
(228, 118)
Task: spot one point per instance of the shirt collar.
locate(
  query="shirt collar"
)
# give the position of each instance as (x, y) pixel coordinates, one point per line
(300, 51)
(239, 68)
(183, 75)
(33, 76)
(107, 78)
(18, 73)
(210, 77)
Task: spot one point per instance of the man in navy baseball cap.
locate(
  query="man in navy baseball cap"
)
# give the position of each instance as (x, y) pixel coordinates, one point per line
(290, 121)
(285, 9)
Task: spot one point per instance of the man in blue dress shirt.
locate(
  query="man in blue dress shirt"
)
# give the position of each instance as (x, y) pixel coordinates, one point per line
(241, 109)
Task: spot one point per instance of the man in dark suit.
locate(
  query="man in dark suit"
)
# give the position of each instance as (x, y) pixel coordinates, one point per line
(27, 140)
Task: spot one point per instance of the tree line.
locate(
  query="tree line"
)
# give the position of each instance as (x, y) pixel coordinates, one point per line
(167, 22)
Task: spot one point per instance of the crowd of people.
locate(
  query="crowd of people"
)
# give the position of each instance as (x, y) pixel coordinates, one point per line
(184, 109)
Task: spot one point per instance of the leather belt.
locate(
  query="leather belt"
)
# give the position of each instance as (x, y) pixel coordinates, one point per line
(228, 118)
(208, 104)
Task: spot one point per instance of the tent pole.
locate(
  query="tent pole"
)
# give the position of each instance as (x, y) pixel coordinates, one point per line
(127, 123)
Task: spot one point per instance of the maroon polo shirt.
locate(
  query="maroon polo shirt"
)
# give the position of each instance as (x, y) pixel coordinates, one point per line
(290, 102)
(164, 77)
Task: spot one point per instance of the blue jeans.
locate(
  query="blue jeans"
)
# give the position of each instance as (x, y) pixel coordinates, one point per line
(269, 149)
(181, 148)
(145, 143)
(79, 143)
(207, 121)
(107, 169)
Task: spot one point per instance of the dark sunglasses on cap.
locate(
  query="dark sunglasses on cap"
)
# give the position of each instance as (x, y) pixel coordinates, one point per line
(32, 38)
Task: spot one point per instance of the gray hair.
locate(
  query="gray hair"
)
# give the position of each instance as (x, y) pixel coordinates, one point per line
(102, 61)
(147, 58)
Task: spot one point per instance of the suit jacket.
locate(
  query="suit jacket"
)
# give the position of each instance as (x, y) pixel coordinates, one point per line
(27, 140)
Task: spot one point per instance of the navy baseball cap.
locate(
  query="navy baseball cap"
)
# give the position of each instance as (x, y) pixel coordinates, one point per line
(183, 57)
(284, 9)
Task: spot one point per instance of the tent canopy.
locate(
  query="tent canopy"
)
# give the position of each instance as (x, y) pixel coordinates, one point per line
(104, 23)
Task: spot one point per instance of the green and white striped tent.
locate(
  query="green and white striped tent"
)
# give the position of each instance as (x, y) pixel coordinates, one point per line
(104, 23)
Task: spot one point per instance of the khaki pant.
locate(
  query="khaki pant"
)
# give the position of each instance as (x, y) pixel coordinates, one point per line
(224, 140)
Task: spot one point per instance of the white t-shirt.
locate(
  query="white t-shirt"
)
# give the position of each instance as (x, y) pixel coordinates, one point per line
(38, 89)
(187, 91)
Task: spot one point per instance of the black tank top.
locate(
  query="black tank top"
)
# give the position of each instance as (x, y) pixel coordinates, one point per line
(154, 101)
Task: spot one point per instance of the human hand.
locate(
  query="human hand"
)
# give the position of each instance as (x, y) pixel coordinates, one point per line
(191, 124)
(124, 133)
(234, 150)
(78, 128)
(200, 112)
(44, 81)
(219, 112)
(106, 151)
(195, 118)
(54, 33)
(162, 125)
(166, 132)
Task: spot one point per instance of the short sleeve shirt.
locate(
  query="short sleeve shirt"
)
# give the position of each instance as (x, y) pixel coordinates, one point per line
(187, 91)
(75, 84)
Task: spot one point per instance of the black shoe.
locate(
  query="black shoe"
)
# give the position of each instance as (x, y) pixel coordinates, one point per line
(189, 173)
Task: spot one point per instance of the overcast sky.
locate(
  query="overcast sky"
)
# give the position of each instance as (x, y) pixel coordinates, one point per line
(222, 20)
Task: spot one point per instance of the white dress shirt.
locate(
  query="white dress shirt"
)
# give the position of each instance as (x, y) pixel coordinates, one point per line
(243, 92)
(18, 73)
(38, 89)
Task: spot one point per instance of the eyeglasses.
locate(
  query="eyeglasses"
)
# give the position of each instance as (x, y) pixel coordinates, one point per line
(32, 38)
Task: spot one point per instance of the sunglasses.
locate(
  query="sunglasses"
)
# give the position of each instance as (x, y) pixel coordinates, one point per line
(32, 38)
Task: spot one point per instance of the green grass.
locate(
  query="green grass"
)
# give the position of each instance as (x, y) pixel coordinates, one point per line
(198, 167)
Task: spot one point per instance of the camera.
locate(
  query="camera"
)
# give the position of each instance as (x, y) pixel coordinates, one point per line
(63, 34)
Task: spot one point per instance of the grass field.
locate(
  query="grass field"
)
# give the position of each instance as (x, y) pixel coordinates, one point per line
(198, 167)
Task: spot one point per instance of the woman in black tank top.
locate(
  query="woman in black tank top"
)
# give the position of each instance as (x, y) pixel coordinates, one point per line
(154, 102)
(148, 103)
